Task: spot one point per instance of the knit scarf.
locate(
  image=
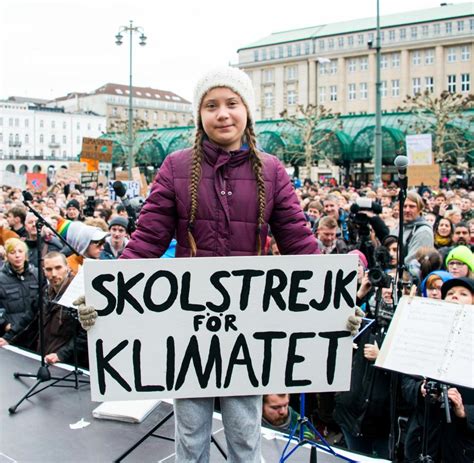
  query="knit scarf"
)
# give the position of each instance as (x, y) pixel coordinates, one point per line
(441, 241)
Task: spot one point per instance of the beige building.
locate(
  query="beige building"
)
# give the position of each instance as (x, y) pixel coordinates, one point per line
(159, 108)
(335, 64)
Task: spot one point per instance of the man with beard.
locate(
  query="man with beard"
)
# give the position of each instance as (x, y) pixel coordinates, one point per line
(461, 236)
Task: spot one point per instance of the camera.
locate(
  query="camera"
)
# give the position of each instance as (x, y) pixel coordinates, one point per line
(435, 388)
(90, 203)
(379, 279)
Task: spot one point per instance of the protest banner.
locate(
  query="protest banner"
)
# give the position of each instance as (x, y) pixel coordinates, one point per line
(133, 190)
(431, 338)
(89, 179)
(426, 175)
(36, 181)
(170, 328)
(419, 149)
(97, 149)
(12, 180)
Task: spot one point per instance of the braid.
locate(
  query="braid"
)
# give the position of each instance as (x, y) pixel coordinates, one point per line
(257, 166)
(195, 177)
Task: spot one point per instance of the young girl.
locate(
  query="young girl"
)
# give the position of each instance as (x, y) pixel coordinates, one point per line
(219, 198)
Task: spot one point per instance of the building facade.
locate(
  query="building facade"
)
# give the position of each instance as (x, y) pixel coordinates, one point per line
(335, 65)
(158, 108)
(34, 137)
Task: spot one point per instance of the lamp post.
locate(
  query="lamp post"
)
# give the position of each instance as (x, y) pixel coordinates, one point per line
(378, 108)
(118, 41)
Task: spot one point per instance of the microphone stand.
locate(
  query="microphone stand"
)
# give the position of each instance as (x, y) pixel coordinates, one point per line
(43, 373)
(401, 247)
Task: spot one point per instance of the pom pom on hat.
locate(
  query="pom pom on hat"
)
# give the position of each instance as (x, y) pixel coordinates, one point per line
(233, 78)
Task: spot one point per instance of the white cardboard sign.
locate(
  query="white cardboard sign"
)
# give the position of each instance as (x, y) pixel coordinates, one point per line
(419, 149)
(431, 338)
(205, 327)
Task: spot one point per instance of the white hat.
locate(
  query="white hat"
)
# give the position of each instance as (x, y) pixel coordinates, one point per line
(233, 78)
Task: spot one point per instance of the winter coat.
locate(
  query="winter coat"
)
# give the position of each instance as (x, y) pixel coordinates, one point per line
(450, 443)
(107, 252)
(416, 234)
(226, 221)
(19, 296)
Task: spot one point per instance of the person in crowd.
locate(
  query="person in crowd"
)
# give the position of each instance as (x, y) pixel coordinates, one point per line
(61, 326)
(431, 285)
(391, 244)
(328, 242)
(116, 242)
(461, 236)
(426, 260)
(416, 231)
(431, 218)
(443, 233)
(387, 216)
(331, 209)
(73, 210)
(16, 217)
(444, 442)
(460, 262)
(363, 283)
(454, 215)
(277, 414)
(251, 191)
(19, 292)
(467, 210)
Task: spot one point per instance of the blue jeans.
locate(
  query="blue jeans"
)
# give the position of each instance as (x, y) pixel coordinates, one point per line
(241, 416)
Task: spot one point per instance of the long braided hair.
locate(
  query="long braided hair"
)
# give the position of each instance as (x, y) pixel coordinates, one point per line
(195, 177)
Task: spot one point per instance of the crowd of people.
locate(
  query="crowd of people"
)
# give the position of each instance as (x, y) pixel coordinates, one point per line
(301, 218)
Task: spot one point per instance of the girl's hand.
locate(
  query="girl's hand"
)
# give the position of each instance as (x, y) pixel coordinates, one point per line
(371, 351)
(456, 400)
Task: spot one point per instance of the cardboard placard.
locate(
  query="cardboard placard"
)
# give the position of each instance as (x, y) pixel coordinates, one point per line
(428, 175)
(89, 179)
(419, 149)
(121, 175)
(92, 164)
(133, 189)
(12, 180)
(174, 328)
(36, 181)
(97, 149)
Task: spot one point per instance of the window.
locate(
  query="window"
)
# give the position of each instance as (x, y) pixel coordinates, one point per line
(78, 126)
(429, 84)
(41, 138)
(395, 87)
(460, 26)
(323, 68)
(145, 115)
(416, 85)
(255, 55)
(41, 123)
(424, 31)
(291, 97)
(114, 112)
(395, 60)
(281, 52)
(17, 122)
(436, 28)
(41, 152)
(268, 99)
(64, 125)
(382, 36)
(272, 53)
(364, 63)
(363, 90)
(371, 37)
(155, 116)
(64, 139)
(307, 48)
(321, 44)
(452, 83)
(352, 92)
(360, 39)
(27, 153)
(268, 76)
(465, 82)
(333, 93)
(322, 94)
(27, 123)
(53, 138)
(27, 139)
(383, 89)
(451, 55)
(17, 138)
(78, 140)
(291, 72)
(383, 62)
(416, 58)
(264, 54)
(471, 24)
(330, 43)
(352, 65)
(391, 35)
(414, 32)
(448, 27)
(53, 124)
(289, 50)
(297, 49)
(465, 53)
(340, 42)
(333, 66)
(350, 41)
(403, 33)
(10, 138)
(429, 56)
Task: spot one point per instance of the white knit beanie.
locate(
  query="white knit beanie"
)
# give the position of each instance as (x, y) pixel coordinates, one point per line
(233, 78)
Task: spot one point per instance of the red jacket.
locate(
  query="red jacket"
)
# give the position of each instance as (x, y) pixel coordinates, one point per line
(226, 222)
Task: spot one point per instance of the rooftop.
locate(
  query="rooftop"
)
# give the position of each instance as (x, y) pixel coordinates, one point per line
(358, 25)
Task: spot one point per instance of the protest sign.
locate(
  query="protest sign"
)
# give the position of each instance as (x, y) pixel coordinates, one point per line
(36, 181)
(133, 190)
(12, 180)
(419, 149)
(426, 175)
(89, 179)
(170, 328)
(431, 338)
(98, 149)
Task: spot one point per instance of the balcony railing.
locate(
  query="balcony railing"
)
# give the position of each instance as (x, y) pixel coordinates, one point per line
(12, 157)
(14, 144)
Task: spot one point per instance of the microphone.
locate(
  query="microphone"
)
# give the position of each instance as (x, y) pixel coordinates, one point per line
(119, 188)
(27, 196)
(121, 192)
(401, 163)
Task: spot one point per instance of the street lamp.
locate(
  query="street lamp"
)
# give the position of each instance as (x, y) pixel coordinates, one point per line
(118, 41)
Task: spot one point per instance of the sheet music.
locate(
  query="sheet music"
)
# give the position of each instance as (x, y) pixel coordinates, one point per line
(74, 290)
(431, 338)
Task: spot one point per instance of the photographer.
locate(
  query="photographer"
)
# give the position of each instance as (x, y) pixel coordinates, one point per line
(430, 437)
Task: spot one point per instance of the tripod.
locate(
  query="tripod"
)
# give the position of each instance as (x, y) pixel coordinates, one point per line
(151, 433)
(297, 434)
(43, 375)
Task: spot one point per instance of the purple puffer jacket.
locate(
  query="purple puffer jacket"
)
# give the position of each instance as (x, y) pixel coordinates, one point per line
(226, 222)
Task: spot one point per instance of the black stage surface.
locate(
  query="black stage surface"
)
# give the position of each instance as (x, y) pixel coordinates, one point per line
(40, 431)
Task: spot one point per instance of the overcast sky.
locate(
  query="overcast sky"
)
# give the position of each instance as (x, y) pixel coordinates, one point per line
(50, 48)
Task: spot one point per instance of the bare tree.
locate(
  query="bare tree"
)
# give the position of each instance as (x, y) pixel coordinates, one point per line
(308, 134)
(445, 117)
